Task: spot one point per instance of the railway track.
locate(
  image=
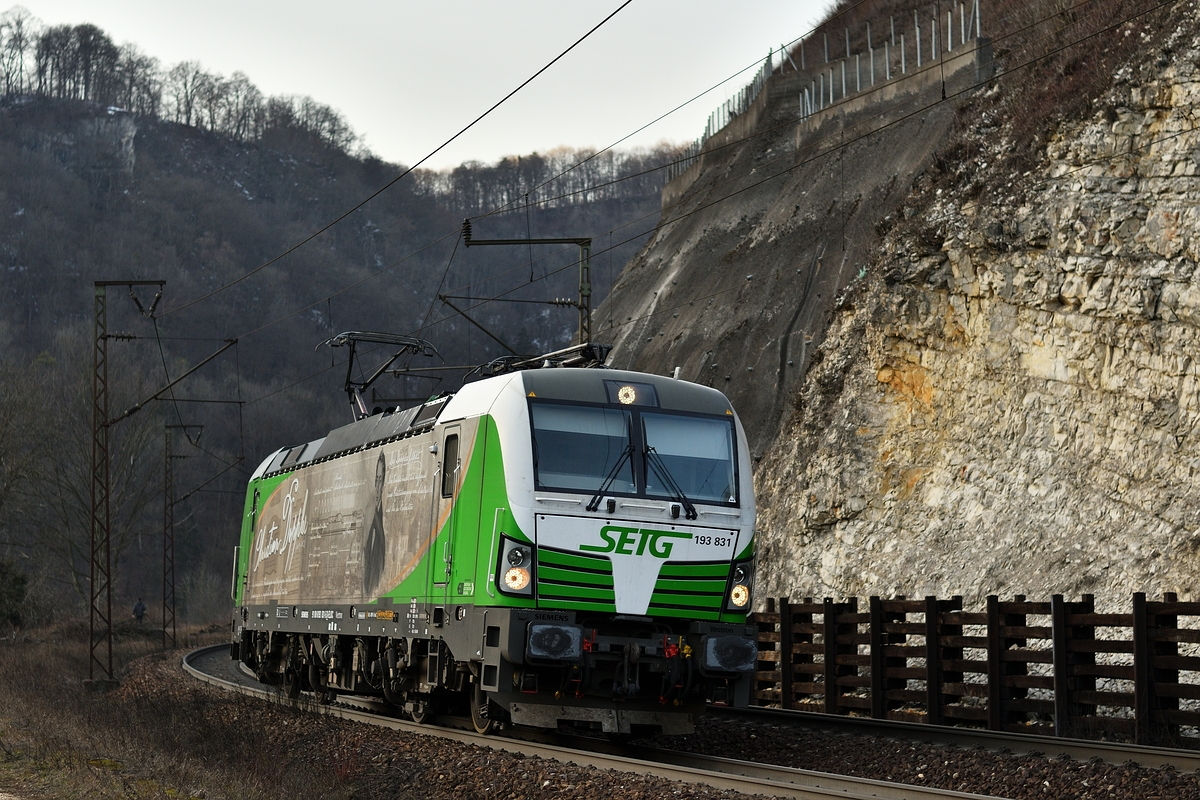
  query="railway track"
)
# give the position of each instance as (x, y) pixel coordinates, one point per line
(965, 738)
(213, 665)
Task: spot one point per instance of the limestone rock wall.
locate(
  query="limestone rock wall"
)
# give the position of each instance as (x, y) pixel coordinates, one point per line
(1012, 406)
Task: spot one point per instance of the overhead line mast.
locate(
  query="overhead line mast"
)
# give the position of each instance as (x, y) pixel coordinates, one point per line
(584, 304)
(100, 585)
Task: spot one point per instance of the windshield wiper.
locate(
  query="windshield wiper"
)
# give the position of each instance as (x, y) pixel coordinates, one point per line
(655, 461)
(626, 454)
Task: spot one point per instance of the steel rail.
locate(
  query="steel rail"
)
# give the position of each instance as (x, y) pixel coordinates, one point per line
(1016, 743)
(719, 773)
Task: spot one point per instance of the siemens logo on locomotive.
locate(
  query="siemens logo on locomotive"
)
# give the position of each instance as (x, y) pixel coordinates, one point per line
(546, 546)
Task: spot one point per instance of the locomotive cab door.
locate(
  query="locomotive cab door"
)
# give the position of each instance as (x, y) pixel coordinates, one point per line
(448, 479)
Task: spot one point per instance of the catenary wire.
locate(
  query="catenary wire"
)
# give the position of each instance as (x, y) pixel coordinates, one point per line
(868, 133)
(813, 145)
(1031, 61)
(402, 174)
(779, 174)
(501, 208)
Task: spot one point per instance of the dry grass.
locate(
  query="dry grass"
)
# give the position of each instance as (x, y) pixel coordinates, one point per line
(159, 734)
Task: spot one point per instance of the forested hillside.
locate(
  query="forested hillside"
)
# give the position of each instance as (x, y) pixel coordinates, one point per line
(114, 167)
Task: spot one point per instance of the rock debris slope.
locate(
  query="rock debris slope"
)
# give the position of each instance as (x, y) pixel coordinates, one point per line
(1001, 390)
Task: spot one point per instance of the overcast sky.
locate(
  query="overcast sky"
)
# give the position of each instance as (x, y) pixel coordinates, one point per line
(408, 74)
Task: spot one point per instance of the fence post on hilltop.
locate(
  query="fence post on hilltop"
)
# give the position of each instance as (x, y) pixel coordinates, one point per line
(887, 61)
(933, 38)
(825, 36)
(847, 42)
(858, 72)
(977, 33)
(962, 23)
(950, 30)
(917, 28)
(803, 65)
(903, 53)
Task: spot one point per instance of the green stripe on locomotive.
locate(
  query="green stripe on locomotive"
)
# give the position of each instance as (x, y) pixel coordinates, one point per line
(265, 487)
(479, 513)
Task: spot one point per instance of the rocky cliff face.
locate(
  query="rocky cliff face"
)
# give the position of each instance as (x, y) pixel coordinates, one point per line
(1018, 402)
(736, 284)
(1006, 402)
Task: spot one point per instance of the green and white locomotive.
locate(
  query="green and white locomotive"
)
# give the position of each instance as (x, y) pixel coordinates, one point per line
(551, 544)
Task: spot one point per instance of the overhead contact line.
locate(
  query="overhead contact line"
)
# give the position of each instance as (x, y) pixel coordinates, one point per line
(835, 147)
(403, 173)
(841, 145)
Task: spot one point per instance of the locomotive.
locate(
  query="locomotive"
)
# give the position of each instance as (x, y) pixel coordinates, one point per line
(557, 542)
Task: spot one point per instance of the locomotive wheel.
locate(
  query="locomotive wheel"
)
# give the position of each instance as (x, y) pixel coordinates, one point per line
(422, 712)
(481, 712)
(291, 683)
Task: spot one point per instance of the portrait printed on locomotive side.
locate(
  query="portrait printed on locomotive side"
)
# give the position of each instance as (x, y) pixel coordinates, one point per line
(345, 530)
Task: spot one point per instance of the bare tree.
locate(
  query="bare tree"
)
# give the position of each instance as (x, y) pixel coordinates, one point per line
(18, 28)
(212, 101)
(140, 82)
(57, 494)
(184, 84)
(243, 101)
(95, 60)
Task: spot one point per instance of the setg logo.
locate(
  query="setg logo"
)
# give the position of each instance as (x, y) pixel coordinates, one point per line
(635, 541)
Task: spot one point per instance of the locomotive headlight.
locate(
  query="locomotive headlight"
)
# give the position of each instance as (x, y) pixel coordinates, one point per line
(517, 556)
(741, 578)
(514, 567)
(516, 579)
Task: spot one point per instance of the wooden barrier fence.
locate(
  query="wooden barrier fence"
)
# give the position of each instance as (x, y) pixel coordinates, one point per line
(1055, 668)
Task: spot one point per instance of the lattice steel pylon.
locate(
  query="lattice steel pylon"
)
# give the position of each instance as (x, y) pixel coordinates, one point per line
(100, 592)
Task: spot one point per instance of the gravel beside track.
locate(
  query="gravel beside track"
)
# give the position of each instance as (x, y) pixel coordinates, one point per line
(975, 771)
(384, 763)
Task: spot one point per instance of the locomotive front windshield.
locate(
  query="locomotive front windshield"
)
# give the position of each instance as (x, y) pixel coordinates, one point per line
(694, 452)
(633, 452)
(576, 447)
